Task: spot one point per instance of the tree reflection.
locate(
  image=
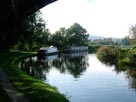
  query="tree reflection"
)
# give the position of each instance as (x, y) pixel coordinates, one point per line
(33, 67)
(129, 70)
(74, 63)
(39, 66)
(131, 73)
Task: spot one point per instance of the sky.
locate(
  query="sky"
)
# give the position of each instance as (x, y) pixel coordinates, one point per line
(107, 18)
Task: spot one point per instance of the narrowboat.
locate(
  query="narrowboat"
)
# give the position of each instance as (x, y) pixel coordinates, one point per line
(47, 50)
(71, 49)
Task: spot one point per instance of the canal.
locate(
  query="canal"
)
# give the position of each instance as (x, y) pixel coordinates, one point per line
(82, 77)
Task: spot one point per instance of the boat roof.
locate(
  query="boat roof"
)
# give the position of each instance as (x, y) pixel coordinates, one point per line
(44, 48)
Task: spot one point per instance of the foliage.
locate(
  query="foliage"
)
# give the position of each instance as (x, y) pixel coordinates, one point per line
(59, 39)
(36, 36)
(133, 34)
(32, 31)
(75, 35)
(125, 57)
(104, 41)
(106, 53)
(132, 55)
(131, 38)
(41, 39)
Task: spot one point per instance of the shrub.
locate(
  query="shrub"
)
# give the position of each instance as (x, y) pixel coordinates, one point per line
(106, 53)
(132, 55)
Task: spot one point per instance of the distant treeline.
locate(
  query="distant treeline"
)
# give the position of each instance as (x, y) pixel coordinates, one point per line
(33, 34)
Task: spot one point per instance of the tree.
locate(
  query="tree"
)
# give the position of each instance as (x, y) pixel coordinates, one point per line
(36, 27)
(59, 38)
(77, 35)
(133, 34)
(31, 29)
(41, 38)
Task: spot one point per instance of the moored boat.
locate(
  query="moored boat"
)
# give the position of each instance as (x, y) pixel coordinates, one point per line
(47, 50)
(70, 49)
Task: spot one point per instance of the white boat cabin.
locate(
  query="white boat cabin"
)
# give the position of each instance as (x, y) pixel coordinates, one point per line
(47, 50)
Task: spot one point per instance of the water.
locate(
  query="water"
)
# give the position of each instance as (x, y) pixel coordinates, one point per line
(83, 78)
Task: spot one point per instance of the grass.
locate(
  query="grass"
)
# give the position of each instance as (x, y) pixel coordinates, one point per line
(34, 89)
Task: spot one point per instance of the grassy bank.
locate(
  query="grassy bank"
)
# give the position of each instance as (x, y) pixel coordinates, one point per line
(35, 90)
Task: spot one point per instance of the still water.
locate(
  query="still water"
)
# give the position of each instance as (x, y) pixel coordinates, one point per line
(83, 78)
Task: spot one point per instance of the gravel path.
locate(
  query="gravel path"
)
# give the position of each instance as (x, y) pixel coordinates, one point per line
(13, 94)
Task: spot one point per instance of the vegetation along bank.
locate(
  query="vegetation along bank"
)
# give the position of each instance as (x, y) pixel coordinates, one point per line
(121, 57)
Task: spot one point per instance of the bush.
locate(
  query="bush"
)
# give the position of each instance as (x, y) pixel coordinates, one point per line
(132, 55)
(106, 53)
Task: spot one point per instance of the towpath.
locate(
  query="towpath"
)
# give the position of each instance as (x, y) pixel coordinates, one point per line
(12, 92)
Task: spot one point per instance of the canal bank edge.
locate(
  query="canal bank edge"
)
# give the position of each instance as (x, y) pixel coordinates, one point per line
(12, 93)
(35, 90)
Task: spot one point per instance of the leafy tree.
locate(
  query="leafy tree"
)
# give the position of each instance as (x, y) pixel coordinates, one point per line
(59, 38)
(41, 38)
(77, 35)
(31, 30)
(133, 34)
(36, 26)
(133, 31)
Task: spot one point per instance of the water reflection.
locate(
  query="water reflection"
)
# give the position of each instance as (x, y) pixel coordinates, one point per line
(33, 67)
(47, 58)
(97, 81)
(131, 74)
(130, 71)
(74, 63)
(38, 66)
